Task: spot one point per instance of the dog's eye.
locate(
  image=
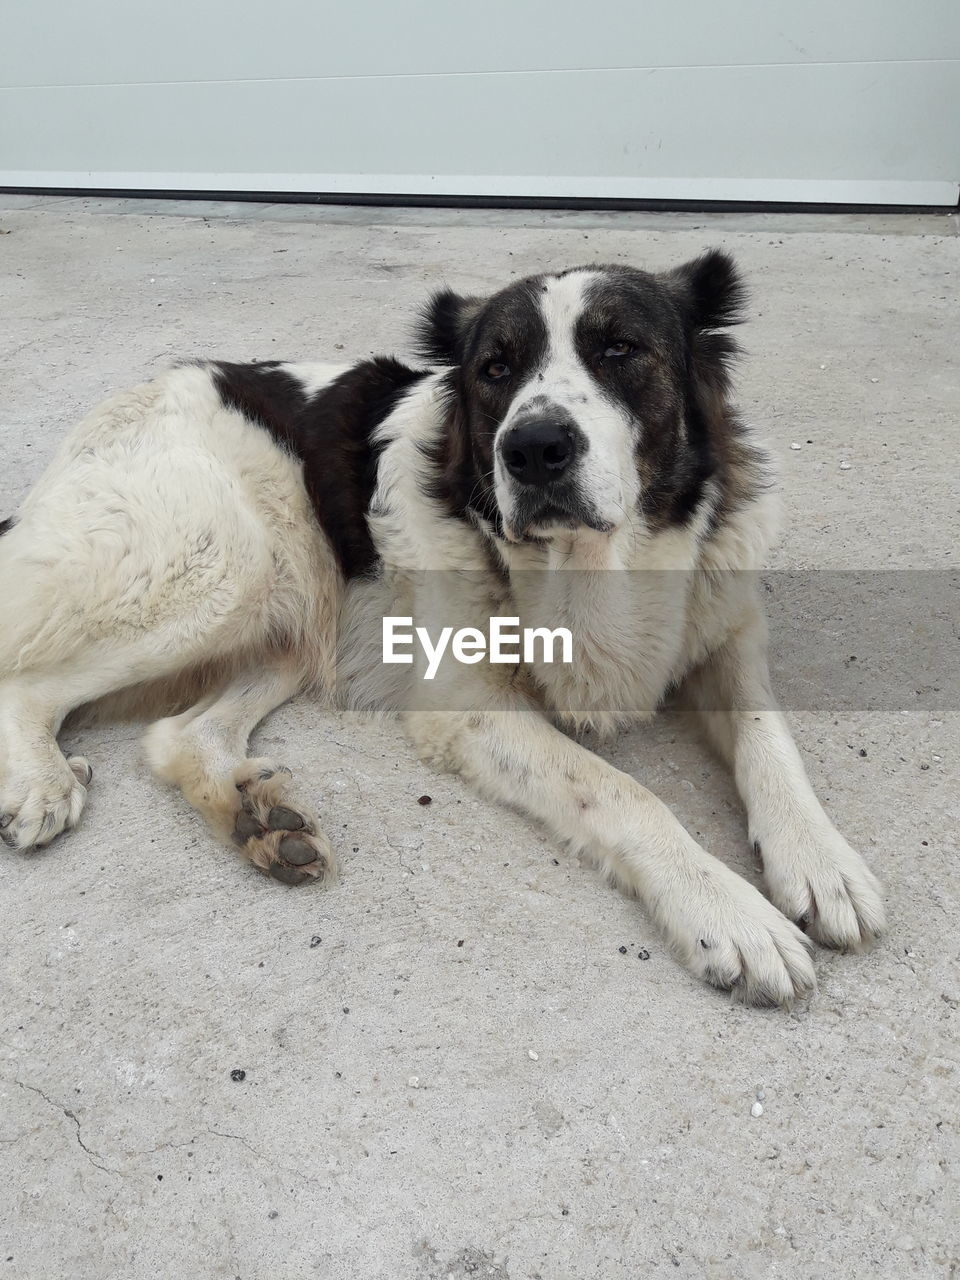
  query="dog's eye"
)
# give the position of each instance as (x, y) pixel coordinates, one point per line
(617, 350)
(496, 370)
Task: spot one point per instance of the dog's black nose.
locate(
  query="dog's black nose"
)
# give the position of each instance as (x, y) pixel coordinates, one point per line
(537, 452)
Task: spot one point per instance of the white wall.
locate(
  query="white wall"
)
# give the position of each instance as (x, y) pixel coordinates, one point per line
(854, 100)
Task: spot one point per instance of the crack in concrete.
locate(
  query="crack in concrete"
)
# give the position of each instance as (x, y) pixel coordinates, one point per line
(96, 1156)
(278, 1168)
(9, 1142)
(57, 1106)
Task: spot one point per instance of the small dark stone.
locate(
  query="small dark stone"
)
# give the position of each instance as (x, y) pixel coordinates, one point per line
(274, 1213)
(643, 954)
(425, 800)
(346, 1008)
(924, 843)
(556, 862)
(863, 752)
(237, 1074)
(924, 767)
(460, 943)
(622, 950)
(315, 941)
(705, 944)
(159, 1177)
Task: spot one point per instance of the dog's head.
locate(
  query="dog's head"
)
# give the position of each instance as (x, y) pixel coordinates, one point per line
(585, 396)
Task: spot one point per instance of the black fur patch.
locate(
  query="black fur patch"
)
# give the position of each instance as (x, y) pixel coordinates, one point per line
(472, 333)
(711, 291)
(441, 331)
(5, 526)
(330, 432)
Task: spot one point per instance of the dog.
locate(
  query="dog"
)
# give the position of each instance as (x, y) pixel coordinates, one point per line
(220, 539)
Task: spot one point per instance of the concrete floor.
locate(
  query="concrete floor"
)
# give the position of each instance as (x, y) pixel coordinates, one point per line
(452, 1068)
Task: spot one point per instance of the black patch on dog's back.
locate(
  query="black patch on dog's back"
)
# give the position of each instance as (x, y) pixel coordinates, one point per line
(264, 393)
(330, 432)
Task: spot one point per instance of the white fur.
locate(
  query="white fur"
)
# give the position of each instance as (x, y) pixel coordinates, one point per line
(171, 541)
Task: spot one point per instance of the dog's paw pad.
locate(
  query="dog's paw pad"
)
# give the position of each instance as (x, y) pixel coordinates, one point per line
(281, 841)
(298, 851)
(246, 827)
(289, 875)
(292, 857)
(280, 818)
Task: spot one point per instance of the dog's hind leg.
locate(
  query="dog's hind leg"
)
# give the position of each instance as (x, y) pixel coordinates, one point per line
(88, 613)
(42, 792)
(244, 801)
(50, 664)
(166, 536)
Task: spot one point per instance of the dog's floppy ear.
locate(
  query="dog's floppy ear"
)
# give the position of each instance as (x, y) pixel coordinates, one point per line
(444, 322)
(712, 294)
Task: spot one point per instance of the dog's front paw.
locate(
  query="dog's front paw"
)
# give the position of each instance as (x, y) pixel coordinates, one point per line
(731, 936)
(816, 879)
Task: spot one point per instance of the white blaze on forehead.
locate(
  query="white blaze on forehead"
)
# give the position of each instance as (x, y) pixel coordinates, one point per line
(562, 303)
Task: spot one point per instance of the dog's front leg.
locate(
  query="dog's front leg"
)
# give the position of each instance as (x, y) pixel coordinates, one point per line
(813, 874)
(718, 925)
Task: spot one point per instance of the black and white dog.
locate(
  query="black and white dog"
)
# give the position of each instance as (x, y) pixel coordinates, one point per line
(221, 538)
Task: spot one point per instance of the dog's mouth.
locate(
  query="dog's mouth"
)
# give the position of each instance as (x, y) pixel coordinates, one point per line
(536, 514)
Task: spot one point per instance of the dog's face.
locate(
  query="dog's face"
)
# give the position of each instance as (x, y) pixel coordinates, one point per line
(580, 397)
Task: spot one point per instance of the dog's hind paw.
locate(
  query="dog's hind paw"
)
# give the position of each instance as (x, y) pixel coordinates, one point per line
(44, 806)
(279, 839)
